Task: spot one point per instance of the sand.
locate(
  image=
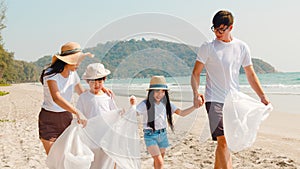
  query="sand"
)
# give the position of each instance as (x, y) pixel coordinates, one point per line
(277, 144)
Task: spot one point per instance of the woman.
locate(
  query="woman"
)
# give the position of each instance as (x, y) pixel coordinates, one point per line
(59, 81)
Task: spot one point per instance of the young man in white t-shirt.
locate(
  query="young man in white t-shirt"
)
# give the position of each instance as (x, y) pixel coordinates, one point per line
(222, 59)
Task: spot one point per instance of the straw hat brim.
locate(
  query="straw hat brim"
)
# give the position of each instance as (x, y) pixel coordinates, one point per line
(154, 88)
(72, 59)
(158, 83)
(158, 87)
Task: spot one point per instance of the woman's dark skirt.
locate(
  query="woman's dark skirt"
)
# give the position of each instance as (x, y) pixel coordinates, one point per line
(53, 124)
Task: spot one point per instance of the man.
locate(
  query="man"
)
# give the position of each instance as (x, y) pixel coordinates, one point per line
(222, 59)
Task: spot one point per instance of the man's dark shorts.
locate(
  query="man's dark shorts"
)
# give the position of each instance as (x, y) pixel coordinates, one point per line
(215, 116)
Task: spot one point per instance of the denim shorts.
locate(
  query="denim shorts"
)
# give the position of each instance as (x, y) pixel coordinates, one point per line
(157, 137)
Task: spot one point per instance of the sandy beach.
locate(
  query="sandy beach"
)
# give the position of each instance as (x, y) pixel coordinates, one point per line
(277, 144)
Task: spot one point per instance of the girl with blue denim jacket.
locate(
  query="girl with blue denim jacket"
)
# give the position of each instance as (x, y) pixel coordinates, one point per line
(156, 111)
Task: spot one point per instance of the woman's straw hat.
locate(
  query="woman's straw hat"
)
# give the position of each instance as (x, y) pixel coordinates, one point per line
(158, 82)
(71, 53)
(95, 71)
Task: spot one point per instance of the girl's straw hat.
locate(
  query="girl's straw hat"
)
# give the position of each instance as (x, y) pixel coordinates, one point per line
(158, 82)
(71, 53)
(95, 71)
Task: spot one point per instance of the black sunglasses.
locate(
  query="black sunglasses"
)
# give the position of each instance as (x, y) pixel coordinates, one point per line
(221, 31)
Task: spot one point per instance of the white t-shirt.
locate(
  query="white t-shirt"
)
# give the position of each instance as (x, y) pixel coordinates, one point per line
(222, 62)
(160, 114)
(92, 105)
(65, 86)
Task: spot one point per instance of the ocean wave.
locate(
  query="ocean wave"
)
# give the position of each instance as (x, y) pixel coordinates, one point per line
(180, 88)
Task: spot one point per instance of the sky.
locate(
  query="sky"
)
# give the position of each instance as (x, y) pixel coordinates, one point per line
(38, 28)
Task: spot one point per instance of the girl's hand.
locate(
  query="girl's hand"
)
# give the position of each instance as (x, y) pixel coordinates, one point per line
(132, 100)
(122, 112)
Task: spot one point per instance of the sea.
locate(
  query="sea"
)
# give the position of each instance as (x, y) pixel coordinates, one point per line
(272, 83)
(283, 88)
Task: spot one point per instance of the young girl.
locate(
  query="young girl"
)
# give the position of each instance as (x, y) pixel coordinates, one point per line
(156, 110)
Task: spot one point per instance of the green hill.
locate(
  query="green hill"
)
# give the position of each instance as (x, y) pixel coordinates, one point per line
(133, 58)
(141, 58)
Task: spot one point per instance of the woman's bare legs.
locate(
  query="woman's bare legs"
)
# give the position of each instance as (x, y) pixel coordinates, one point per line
(47, 144)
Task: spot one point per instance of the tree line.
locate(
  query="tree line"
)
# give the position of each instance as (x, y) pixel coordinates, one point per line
(125, 59)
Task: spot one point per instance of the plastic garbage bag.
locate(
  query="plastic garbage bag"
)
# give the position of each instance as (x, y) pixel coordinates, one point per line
(122, 141)
(205, 132)
(111, 135)
(69, 152)
(242, 116)
(80, 155)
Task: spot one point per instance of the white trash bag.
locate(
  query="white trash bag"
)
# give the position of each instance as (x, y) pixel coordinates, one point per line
(110, 132)
(69, 151)
(121, 142)
(205, 132)
(116, 133)
(242, 116)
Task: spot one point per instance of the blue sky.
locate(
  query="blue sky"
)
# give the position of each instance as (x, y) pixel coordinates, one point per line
(38, 28)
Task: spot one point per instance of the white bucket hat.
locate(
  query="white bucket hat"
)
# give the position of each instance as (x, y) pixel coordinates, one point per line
(158, 82)
(71, 53)
(95, 71)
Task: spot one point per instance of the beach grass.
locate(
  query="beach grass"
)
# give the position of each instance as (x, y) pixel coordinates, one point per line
(2, 93)
(7, 120)
(4, 84)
